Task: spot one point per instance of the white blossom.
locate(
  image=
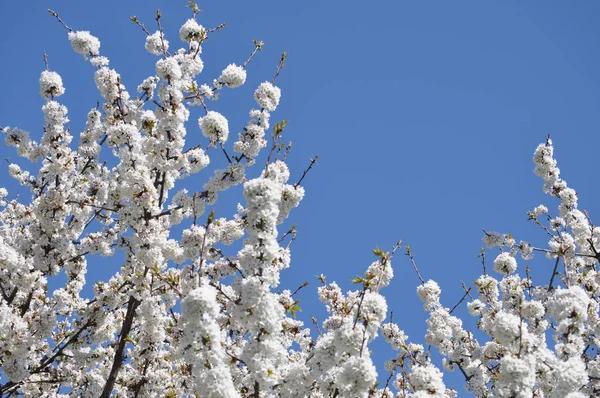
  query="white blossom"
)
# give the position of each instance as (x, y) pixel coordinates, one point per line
(156, 44)
(168, 69)
(51, 84)
(233, 76)
(214, 126)
(197, 309)
(427, 378)
(517, 378)
(84, 43)
(429, 294)
(267, 96)
(541, 209)
(505, 264)
(191, 31)
(356, 377)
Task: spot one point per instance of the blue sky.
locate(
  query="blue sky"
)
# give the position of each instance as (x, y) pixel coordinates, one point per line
(425, 116)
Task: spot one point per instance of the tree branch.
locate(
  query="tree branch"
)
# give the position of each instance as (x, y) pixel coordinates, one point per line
(119, 354)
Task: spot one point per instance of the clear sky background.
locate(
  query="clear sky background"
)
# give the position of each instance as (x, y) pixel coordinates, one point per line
(425, 116)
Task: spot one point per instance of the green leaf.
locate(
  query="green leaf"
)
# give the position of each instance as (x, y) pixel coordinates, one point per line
(294, 308)
(378, 252)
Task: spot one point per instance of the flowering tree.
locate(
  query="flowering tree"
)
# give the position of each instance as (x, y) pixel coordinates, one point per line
(185, 318)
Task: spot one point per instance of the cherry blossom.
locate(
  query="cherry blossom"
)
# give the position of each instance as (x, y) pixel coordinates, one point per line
(201, 310)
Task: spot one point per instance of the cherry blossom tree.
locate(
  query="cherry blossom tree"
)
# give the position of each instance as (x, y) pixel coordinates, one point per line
(185, 317)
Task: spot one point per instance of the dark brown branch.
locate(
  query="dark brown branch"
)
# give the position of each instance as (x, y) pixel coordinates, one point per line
(89, 161)
(45, 361)
(459, 366)
(291, 231)
(76, 202)
(554, 272)
(362, 298)
(387, 382)
(25, 306)
(138, 386)
(225, 152)
(256, 393)
(300, 288)
(313, 161)
(120, 352)
(48, 361)
(210, 220)
(461, 300)
(162, 190)
(9, 298)
(166, 212)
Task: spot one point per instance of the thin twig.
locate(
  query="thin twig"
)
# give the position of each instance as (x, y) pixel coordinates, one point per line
(225, 152)
(313, 161)
(280, 66)
(291, 231)
(209, 222)
(91, 205)
(54, 14)
(219, 27)
(538, 249)
(412, 260)
(161, 33)
(167, 212)
(397, 246)
(314, 321)
(461, 300)
(257, 47)
(482, 256)
(300, 288)
(362, 298)
(141, 25)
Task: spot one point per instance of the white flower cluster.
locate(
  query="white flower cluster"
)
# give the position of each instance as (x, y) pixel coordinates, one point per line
(505, 264)
(156, 44)
(214, 126)
(430, 294)
(233, 76)
(168, 69)
(545, 165)
(51, 84)
(267, 96)
(21, 140)
(191, 31)
(236, 335)
(199, 313)
(148, 86)
(84, 43)
(253, 140)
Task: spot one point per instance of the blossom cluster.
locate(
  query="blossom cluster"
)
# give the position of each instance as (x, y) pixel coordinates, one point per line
(194, 314)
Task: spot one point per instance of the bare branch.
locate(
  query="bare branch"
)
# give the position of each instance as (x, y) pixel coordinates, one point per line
(412, 260)
(280, 66)
(54, 14)
(313, 161)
